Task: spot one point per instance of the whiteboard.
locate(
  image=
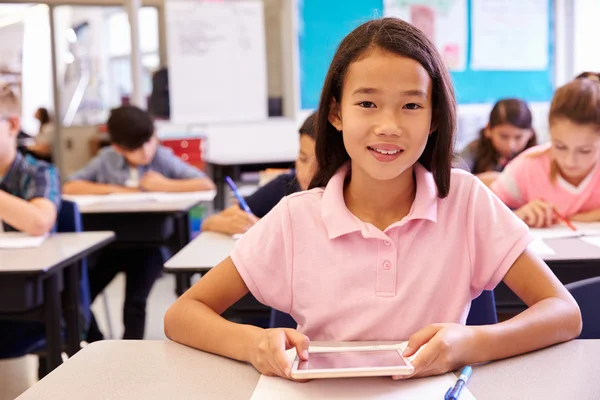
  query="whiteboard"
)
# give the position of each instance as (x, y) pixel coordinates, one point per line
(217, 61)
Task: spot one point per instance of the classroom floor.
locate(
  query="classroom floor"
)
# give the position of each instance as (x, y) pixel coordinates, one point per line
(17, 375)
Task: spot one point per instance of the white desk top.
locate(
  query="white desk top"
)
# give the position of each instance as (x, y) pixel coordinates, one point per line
(171, 202)
(571, 249)
(165, 370)
(55, 250)
(201, 254)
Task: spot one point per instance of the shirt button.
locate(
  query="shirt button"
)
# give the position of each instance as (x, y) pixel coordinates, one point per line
(386, 242)
(387, 265)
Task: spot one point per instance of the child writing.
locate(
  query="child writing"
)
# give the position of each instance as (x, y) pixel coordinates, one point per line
(562, 176)
(133, 162)
(508, 133)
(351, 259)
(29, 199)
(234, 220)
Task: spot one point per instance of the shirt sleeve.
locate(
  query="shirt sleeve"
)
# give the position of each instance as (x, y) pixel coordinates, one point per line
(263, 258)
(90, 172)
(176, 168)
(510, 186)
(265, 198)
(496, 238)
(44, 184)
(46, 134)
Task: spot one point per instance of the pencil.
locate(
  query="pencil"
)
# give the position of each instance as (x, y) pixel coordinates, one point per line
(564, 220)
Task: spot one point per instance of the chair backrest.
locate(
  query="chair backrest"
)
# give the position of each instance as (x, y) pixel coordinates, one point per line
(483, 312)
(587, 295)
(69, 220)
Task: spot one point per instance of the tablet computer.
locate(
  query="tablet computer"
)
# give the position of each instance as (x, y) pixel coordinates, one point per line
(345, 362)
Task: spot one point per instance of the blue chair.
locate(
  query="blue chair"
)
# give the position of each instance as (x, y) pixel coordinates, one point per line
(587, 295)
(28, 337)
(483, 312)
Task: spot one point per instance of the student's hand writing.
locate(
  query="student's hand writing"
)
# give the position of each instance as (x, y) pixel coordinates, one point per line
(269, 356)
(239, 221)
(448, 348)
(153, 182)
(537, 214)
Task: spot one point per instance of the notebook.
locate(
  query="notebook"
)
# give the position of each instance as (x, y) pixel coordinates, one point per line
(384, 388)
(18, 240)
(560, 231)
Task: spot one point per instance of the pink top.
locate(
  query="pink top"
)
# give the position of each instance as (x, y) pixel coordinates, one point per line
(342, 279)
(527, 178)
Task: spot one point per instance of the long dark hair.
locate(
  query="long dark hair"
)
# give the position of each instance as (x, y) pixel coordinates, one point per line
(507, 111)
(403, 39)
(43, 116)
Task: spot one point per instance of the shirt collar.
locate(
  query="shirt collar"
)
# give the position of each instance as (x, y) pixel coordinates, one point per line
(340, 221)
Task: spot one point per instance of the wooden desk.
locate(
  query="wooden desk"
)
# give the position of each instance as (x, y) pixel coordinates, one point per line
(165, 370)
(31, 281)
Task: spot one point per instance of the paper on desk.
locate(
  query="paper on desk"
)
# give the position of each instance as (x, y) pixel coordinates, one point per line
(87, 200)
(560, 231)
(18, 240)
(593, 240)
(539, 247)
(384, 388)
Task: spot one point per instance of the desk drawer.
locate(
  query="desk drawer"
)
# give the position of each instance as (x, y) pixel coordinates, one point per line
(184, 145)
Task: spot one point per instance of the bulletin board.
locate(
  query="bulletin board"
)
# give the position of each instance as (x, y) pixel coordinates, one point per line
(323, 24)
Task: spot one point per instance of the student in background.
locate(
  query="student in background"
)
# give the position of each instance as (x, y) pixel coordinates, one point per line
(508, 133)
(42, 148)
(352, 258)
(133, 163)
(562, 176)
(234, 220)
(29, 199)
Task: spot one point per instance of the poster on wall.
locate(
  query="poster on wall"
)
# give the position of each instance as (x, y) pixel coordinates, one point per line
(510, 35)
(443, 21)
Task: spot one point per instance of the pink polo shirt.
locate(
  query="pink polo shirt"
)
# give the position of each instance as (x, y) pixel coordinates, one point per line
(527, 178)
(342, 279)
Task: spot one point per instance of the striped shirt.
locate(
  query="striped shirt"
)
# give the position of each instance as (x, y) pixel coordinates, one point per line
(28, 179)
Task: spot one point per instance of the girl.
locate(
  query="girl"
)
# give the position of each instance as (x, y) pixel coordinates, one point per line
(351, 259)
(562, 176)
(507, 134)
(42, 148)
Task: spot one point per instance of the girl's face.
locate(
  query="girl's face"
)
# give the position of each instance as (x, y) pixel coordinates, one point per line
(575, 148)
(508, 140)
(385, 114)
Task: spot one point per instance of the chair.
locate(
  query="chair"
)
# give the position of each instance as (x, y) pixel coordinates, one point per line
(587, 295)
(483, 312)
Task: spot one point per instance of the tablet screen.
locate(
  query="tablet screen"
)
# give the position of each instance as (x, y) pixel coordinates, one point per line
(353, 359)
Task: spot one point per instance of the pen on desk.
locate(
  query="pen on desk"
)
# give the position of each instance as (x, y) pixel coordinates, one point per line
(237, 195)
(454, 392)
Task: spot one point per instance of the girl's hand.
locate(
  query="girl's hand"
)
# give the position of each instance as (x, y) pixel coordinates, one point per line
(584, 217)
(269, 357)
(537, 214)
(449, 346)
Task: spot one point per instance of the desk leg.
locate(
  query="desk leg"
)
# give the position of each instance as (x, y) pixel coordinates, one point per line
(219, 179)
(72, 308)
(52, 318)
(182, 280)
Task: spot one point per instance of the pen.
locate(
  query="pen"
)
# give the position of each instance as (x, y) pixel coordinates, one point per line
(453, 393)
(237, 195)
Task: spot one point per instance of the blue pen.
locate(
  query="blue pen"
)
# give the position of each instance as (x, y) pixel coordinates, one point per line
(454, 392)
(237, 195)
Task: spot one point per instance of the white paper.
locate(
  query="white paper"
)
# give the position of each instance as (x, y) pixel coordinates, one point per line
(561, 231)
(444, 22)
(384, 388)
(539, 247)
(593, 240)
(509, 34)
(18, 240)
(217, 61)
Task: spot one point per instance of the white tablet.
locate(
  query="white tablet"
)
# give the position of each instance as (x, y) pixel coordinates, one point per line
(345, 362)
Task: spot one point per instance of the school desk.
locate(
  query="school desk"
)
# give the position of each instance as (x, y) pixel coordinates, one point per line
(145, 223)
(32, 279)
(574, 260)
(152, 370)
(202, 254)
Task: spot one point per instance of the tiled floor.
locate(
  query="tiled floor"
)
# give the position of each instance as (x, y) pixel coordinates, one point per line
(17, 375)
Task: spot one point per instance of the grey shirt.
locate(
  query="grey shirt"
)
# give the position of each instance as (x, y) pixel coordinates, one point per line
(110, 167)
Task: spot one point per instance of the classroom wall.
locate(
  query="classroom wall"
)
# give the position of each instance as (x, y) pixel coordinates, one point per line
(586, 44)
